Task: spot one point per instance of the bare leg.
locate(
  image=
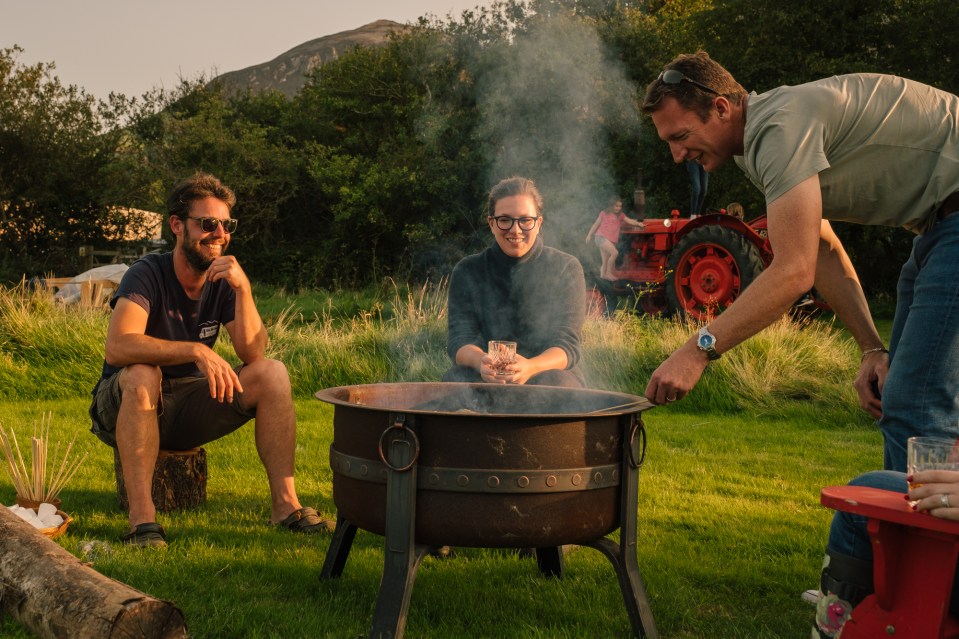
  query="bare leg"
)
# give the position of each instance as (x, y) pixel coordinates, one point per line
(138, 437)
(609, 253)
(266, 385)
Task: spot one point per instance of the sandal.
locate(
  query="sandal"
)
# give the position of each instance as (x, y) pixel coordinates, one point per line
(307, 520)
(145, 536)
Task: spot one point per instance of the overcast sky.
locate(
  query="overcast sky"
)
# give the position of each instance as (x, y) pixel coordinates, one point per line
(131, 46)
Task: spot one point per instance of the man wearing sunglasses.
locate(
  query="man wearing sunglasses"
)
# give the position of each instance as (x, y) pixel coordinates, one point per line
(863, 148)
(163, 387)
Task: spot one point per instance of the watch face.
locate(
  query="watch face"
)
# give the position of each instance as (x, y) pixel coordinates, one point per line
(706, 341)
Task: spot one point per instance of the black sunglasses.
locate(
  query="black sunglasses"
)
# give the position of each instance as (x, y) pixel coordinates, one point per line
(672, 76)
(505, 222)
(210, 224)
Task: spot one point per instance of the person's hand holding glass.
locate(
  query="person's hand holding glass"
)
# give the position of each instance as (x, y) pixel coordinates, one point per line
(499, 357)
(933, 476)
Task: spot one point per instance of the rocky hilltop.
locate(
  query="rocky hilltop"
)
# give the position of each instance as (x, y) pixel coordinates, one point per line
(287, 72)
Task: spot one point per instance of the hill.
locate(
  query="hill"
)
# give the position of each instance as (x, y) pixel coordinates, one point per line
(288, 71)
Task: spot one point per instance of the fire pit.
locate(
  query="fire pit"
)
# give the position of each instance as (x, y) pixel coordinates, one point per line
(485, 465)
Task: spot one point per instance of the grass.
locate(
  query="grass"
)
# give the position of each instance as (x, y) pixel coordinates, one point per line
(730, 529)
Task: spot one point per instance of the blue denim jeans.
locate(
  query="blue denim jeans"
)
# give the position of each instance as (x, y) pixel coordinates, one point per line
(698, 184)
(847, 535)
(921, 393)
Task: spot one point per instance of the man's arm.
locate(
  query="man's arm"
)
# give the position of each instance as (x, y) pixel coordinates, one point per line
(795, 221)
(127, 344)
(837, 282)
(246, 330)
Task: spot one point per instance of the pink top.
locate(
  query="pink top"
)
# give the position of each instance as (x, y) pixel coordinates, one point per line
(609, 225)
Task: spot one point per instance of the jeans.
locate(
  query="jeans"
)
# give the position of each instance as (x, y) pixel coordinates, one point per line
(698, 182)
(847, 535)
(921, 393)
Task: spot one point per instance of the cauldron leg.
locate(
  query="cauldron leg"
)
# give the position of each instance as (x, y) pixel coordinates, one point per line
(550, 562)
(339, 549)
(623, 554)
(402, 555)
(630, 584)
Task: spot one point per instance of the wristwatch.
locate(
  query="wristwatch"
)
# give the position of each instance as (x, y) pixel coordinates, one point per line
(707, 343)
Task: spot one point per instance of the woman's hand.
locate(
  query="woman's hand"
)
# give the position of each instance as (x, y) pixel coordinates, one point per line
(935, 492)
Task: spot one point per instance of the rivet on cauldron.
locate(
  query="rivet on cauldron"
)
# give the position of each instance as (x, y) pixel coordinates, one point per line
(598, 478)
(523, 481)
(434, 479)
(462, 480)
(364, 470)
(577, 479)
(493, 481)
(551, 480)
(347, 465)
(614, 476)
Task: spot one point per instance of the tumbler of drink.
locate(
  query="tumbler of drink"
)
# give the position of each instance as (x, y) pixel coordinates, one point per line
(931, 453)
(502, 354)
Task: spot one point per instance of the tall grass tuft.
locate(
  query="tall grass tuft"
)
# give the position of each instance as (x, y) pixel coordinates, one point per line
(47, 350)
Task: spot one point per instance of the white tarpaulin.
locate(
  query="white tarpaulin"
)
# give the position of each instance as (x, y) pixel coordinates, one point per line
(70, 293)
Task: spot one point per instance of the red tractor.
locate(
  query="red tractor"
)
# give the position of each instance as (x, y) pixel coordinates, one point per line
(692, 267)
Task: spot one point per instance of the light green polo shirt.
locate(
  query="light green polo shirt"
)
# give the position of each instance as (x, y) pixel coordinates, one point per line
(886, 148)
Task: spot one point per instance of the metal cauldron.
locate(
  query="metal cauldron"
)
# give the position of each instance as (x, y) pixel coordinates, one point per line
(485, 465)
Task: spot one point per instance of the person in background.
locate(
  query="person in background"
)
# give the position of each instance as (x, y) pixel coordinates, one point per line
(847, 574)
(698, 184)
(736, 210)
(605, 233)
(518, 290)
(865, 148)
(164, 387)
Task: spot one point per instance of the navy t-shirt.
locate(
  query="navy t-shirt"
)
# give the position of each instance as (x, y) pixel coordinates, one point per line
(152, 284)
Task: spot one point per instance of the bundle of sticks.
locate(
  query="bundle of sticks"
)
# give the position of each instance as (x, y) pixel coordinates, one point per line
(46, 476)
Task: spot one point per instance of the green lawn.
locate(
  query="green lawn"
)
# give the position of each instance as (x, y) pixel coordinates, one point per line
(730, 526)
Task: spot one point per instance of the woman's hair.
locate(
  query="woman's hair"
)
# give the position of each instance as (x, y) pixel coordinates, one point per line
(197, 187)
(514, 186)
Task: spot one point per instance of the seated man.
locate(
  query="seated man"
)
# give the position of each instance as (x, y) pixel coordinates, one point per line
(163, 386)
(518, 290)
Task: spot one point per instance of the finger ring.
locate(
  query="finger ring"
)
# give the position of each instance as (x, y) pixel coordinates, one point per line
(671, 399)
(944, 500)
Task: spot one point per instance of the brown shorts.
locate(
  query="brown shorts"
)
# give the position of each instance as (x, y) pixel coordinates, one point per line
(188, 417)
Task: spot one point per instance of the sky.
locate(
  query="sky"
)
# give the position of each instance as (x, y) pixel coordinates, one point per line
(132, 46)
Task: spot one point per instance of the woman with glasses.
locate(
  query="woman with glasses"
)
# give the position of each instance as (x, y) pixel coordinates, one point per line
(517, 290)
(605, 233)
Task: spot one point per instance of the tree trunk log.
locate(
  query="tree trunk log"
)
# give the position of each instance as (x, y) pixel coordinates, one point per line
(179, 480)
(55, 596)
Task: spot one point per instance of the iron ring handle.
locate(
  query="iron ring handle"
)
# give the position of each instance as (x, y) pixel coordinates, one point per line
(639, 429)
(399, 425)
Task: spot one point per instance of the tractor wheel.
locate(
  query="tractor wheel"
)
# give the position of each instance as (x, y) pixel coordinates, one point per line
(708, 269)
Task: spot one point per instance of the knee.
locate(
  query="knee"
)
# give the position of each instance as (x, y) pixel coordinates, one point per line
(266, 375)
(140, 383)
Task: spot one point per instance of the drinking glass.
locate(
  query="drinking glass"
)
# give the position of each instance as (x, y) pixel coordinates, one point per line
(930, 453)
(502, 353)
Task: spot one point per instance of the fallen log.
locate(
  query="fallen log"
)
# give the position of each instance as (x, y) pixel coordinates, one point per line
(54, 595)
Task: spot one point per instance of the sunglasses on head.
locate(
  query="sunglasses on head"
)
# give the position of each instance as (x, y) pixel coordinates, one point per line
(672, 76)
(505, 222)
(210, 224)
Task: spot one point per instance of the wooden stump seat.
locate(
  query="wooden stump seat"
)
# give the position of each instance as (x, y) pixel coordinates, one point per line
(179, 480)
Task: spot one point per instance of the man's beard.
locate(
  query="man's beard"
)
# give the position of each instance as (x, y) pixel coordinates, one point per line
(199, 262)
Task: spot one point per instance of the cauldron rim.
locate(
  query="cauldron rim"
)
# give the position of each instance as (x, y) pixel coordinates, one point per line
(626, 403)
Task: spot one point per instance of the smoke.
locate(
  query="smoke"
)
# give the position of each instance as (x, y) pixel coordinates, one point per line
(547, 102)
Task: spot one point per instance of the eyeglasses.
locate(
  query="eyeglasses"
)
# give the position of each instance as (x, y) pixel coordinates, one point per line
(210, 224)
(672, 76)
(505, 222)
